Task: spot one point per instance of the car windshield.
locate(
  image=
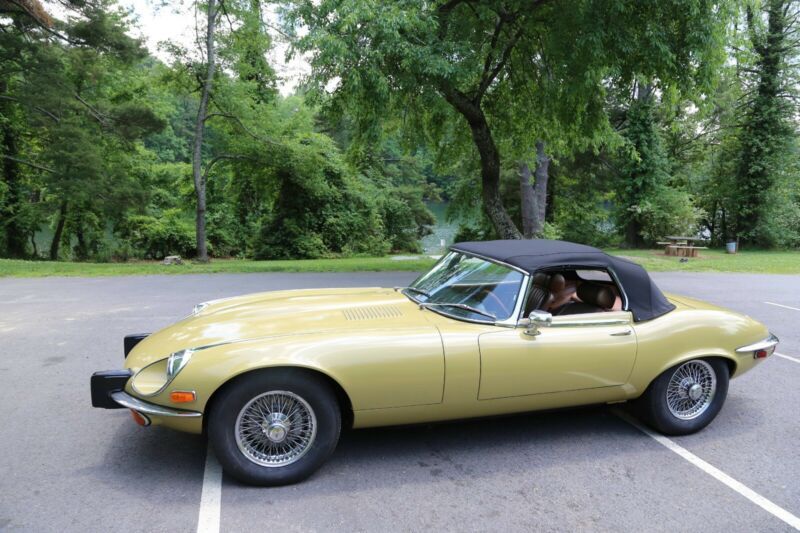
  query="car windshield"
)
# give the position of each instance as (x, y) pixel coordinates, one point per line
(468, 287)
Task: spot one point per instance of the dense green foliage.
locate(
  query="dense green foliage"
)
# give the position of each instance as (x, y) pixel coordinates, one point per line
(98, 140)
(503, 73)
(654, 118)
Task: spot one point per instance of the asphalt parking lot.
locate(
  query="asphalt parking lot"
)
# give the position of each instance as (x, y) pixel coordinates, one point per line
(65, 466)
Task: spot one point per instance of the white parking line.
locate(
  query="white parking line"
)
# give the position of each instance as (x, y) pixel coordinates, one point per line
(784, 306)
(789, 357)
(719, 475)
(211, 497)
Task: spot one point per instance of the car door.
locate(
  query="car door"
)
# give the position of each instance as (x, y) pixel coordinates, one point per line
(575, 352)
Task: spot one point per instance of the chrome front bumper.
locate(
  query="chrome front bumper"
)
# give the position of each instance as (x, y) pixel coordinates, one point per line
(126, 400)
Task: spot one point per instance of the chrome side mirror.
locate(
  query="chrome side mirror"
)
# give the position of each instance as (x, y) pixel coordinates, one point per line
(537, 319)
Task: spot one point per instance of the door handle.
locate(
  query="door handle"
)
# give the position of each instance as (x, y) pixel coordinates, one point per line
(623, 333)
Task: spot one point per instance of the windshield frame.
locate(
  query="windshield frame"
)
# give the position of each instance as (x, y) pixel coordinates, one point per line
(512, 321)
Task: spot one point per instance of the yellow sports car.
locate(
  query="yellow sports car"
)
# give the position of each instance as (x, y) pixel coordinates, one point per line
(493, 328)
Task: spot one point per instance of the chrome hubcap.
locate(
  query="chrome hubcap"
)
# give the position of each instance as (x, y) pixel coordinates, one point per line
(695, 392)
(275, 428)
(691, 389)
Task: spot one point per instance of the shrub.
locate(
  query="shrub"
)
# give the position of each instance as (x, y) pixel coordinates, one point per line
(666, 211)
(405, 219)
(157, 237)
(320, 209)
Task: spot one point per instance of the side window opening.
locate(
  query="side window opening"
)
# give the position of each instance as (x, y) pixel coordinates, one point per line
(569, 292)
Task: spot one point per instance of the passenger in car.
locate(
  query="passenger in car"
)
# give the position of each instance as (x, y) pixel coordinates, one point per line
(592, 296)
(562, 292)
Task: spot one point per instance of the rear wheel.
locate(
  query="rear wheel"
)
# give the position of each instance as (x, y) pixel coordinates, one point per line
(274, 427)
(687, 397)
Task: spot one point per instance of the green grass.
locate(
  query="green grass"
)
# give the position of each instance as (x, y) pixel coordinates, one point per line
(29, 269)
(754, 261)
(654, 260)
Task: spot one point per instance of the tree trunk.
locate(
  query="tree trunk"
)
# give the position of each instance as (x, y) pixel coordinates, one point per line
(725, 233)
(632, 229)
(202, 112)
(490, 160)
(14, 235)
(81, 252)
(541, 174)
(633, 226)
(56, 243)
(534, 196)
(490, 180)
(528, 201)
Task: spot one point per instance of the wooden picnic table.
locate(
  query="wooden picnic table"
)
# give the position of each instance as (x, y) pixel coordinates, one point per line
(680, 246)
(682, 240)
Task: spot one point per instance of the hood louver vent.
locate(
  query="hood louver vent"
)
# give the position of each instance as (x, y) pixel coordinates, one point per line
(372, 313)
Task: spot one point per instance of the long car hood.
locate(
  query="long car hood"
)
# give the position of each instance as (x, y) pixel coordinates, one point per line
(280, 313)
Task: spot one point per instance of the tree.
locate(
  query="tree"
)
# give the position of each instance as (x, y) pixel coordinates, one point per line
(767, 133)
(241, 49)
(649, 205)
(541, 62)
(70, 87)
(212, 13)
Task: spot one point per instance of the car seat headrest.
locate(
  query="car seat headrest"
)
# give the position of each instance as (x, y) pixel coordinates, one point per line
(557, 283)
(595, 294)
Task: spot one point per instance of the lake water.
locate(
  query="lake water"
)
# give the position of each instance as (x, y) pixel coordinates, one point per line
(442, 230)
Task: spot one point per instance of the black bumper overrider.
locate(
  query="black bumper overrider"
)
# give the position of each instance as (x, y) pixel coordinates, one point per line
(130, 341)
(105, 383)
(108, 392)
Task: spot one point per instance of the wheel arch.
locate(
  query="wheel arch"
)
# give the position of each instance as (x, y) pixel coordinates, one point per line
(727, 359)
(342, 398)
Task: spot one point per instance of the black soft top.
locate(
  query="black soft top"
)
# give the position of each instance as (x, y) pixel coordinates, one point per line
(645, 299)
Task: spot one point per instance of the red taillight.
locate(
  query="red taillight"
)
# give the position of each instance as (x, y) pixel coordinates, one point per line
(761, 354)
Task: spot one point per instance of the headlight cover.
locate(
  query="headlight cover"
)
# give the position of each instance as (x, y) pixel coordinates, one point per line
(176, 362)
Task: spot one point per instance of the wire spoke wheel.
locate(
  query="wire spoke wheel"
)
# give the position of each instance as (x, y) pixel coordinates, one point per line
(691, 389)
(275, 428)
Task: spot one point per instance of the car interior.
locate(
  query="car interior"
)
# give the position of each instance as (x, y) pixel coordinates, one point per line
(498, 298)
(572, 292)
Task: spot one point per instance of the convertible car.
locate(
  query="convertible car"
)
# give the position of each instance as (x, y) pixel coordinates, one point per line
(493, 328)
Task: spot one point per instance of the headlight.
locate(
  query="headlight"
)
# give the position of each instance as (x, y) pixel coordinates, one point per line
(199, 308)
(176, 362)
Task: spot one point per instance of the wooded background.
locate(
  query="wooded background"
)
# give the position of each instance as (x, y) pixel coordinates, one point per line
(606, 122)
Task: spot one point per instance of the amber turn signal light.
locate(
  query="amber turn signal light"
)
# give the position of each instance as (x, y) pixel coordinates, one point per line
(182, 396)
(139, 418)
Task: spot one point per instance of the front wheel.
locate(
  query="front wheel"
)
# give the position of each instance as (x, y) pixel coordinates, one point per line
(274, 427)
(687, 397)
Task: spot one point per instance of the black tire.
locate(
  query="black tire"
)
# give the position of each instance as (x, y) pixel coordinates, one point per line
(653, 406)
(222, 425)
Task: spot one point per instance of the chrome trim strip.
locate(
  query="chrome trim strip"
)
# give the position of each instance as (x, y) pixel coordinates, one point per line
(621, 288)
(765, 344)
(490, 260)
(519, 308)
(598, 322)
(126, 400)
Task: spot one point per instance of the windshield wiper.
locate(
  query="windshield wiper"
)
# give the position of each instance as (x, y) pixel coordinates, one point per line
(458, 306)
(413, 289)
